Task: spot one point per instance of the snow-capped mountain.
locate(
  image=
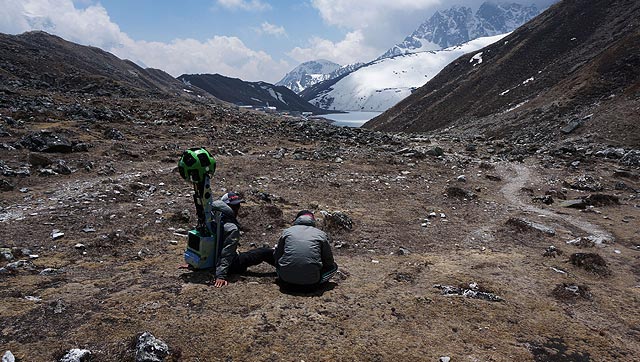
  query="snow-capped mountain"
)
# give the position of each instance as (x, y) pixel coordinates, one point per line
(313, 72)
(379, 85)
(459, 24)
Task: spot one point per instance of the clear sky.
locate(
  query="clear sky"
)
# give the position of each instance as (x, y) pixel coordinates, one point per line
(249, 39)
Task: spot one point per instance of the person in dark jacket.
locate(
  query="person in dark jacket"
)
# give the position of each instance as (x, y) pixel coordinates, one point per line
(303, 255)
(229, 260)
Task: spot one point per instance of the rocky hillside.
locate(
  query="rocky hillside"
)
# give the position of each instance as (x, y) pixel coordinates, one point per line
(257, 94)
(572, 70)
(450, 248)
(459, 25)
(42, 61)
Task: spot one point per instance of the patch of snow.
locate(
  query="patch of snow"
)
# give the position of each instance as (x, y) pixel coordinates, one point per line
(528, 80)
(516, 106)
(477, 59)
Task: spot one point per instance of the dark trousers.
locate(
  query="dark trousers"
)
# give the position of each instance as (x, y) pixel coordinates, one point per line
(250, 258)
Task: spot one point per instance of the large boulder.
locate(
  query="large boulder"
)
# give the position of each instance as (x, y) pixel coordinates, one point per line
(46, 141)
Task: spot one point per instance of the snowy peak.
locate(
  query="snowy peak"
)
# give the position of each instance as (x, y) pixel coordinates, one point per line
(385, 82)
(459, 24)
(502, 18)
(307, 74)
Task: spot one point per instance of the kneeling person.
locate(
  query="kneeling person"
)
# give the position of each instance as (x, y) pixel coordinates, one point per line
(303, 255)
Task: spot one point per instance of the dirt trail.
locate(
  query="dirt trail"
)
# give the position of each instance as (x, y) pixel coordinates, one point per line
(515, 183)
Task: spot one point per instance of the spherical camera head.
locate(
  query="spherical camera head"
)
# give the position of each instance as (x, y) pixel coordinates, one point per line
(195, 163)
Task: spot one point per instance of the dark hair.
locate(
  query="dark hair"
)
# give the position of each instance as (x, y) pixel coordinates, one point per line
(306, 212)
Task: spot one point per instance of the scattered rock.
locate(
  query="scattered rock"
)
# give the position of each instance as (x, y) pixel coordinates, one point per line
(461, 178)
(588, 241)
(77, 355)
(632, 158)
(435, 151)
(8, 357)
(620, 186)
(150, 349)
(556, 350)
(487, 166)
(591, 262)
(444, 359)
(56, 234)
(142, 253)
(459, 193)
(574, 124)
(47, 172)
(47, 141)
(17, 265)
(493, 178)
(552, 251)
(81, 147)
(49, 271)
(584, 183)
(574, 204)
(61, 168)
(183, 216)
(526, 225)
(80, 246)
(337, 220)
(601, 200)
(6, 254)
(114, 134)
(624, 173)
(472, 292)
(571, 292)
(403, 251)
(58, 306)
(5, 186)
(611, 152)
(546, 199)
(39, 160)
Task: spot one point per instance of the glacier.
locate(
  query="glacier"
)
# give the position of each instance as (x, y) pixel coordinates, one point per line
(381, 84)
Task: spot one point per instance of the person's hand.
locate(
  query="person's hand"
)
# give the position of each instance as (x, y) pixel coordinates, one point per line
(219, 283)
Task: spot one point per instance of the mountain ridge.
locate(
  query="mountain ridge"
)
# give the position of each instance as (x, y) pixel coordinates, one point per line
(458, 24)
(546, 75)
(256, 94)
(43, 61)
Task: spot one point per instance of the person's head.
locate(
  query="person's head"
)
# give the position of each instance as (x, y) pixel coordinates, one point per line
(233, 200)
(306, 216)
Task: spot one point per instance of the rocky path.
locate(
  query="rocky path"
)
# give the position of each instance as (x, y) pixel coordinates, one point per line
(524, 174)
